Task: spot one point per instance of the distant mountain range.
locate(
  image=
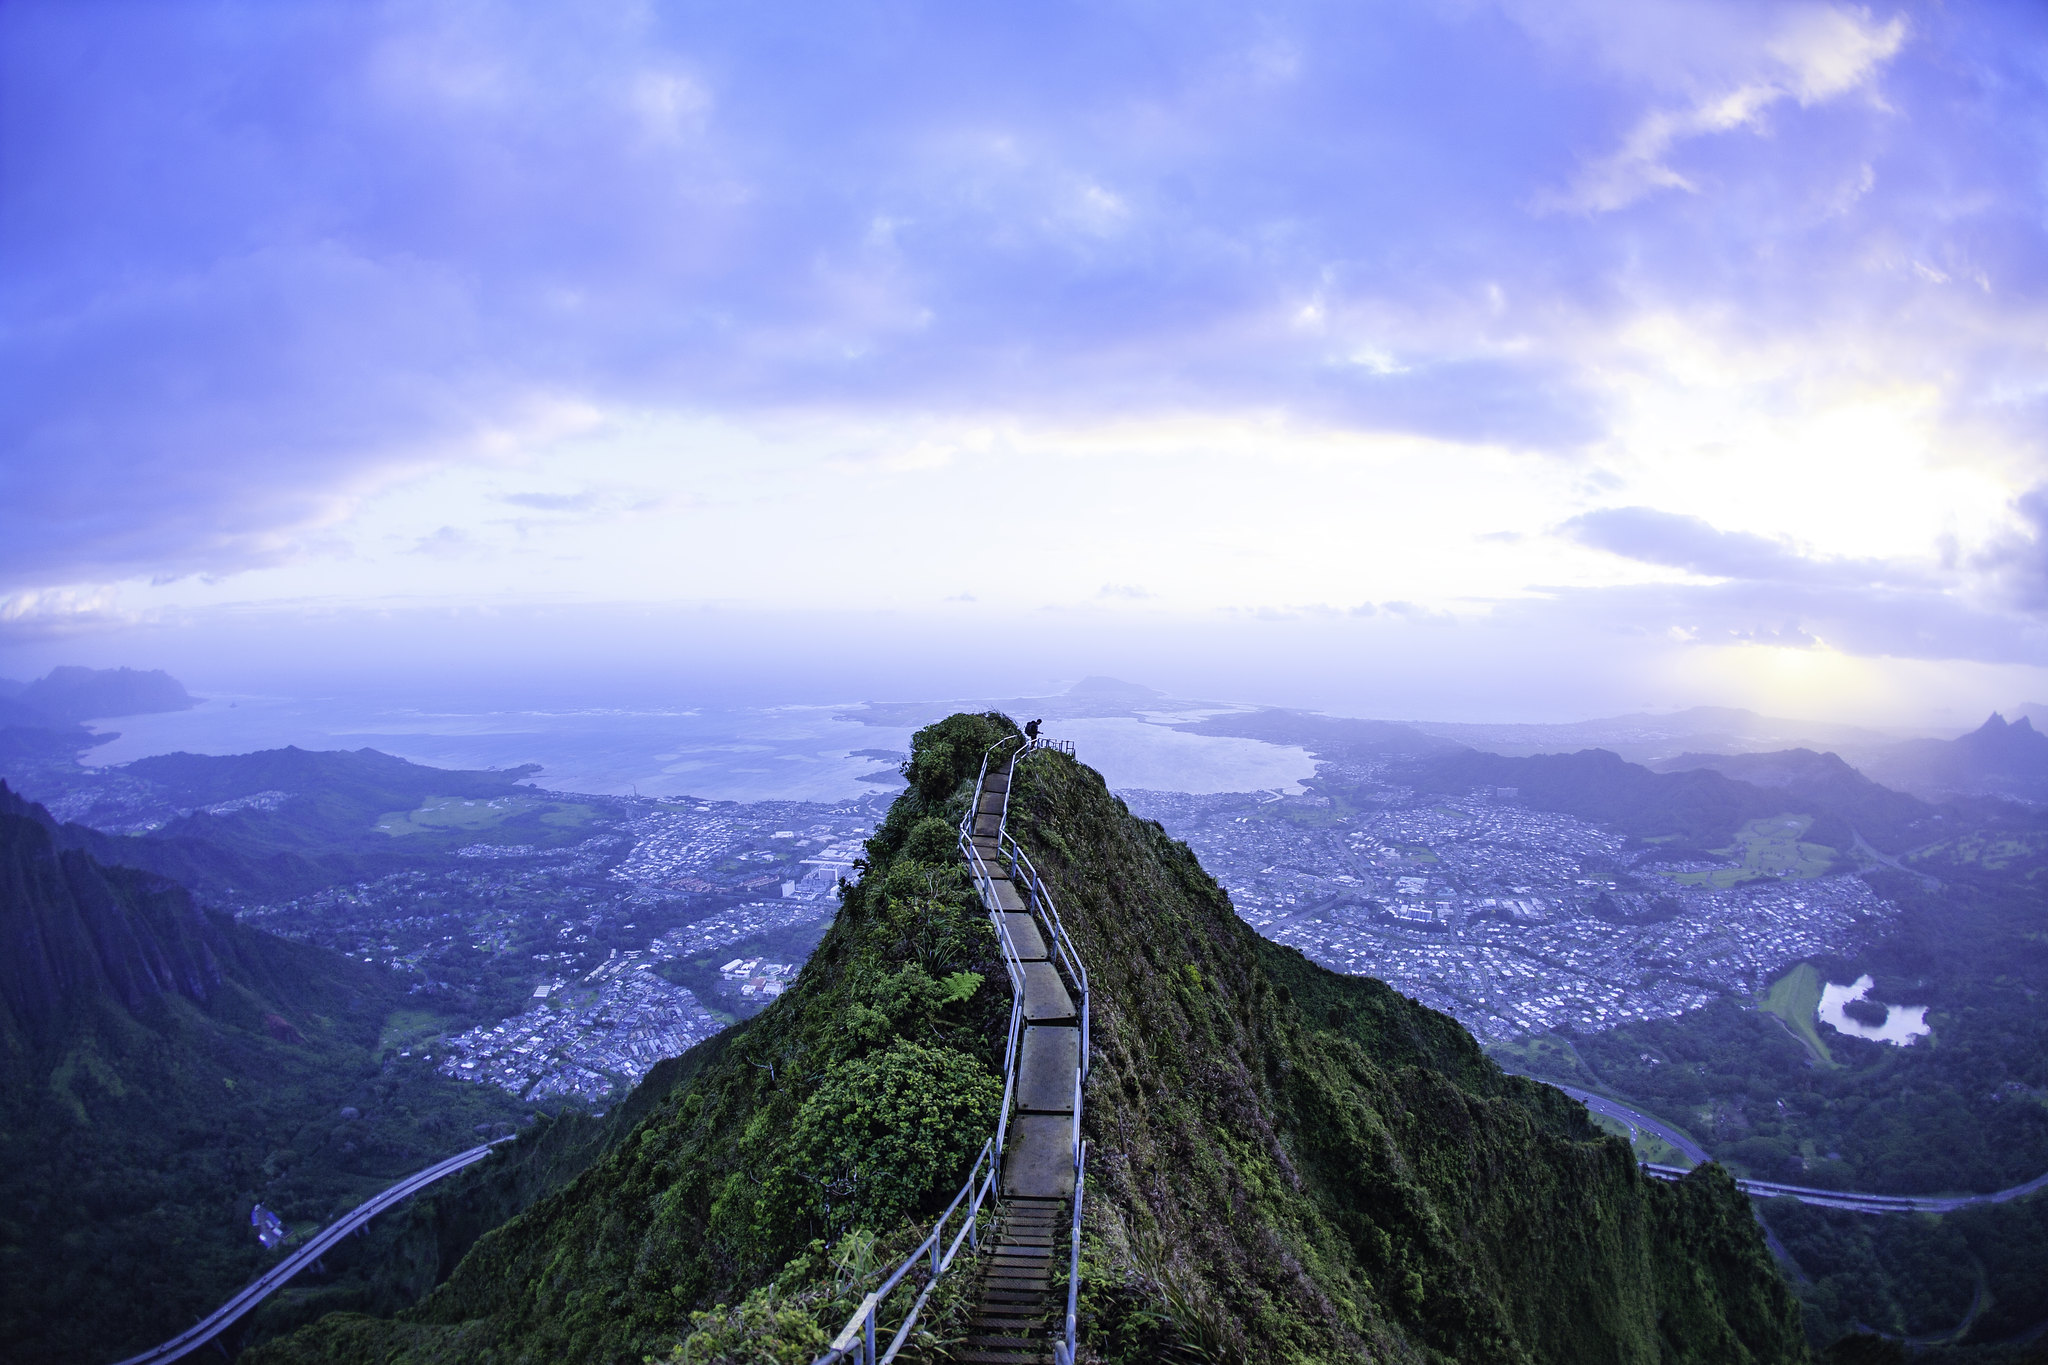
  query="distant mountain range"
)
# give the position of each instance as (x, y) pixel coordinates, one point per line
(1647, 738)
(1838, 764)
(1999, 758)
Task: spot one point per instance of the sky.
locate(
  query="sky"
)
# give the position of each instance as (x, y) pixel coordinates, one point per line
(1443, 359)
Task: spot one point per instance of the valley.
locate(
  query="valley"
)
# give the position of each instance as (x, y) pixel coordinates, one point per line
(1658, 943)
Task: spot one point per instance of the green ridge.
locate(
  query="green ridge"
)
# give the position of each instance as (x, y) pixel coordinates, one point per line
(1289, 1165)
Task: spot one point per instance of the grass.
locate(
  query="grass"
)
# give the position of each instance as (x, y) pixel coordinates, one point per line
(1769, 848)
(410, 1028)
(1544, 1055)
(445, 813)
(1992, 852)
(1795, 998)
(1647, 1146)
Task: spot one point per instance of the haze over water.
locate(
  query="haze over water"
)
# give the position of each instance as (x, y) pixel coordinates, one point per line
(791, 752)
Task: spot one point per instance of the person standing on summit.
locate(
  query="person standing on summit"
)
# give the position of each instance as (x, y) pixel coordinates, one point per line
(1030, 731)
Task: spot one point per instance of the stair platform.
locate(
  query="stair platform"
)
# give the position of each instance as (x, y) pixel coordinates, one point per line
(1024, 934)
(1046, 1000)
(1045, 1070)
(1038, 1160)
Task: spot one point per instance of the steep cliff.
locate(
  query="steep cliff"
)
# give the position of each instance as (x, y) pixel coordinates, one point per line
(162, 1069)
(1289, 1164)
(75, 930)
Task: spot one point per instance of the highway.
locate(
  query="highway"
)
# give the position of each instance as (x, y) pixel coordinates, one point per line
(1866, 1203)
(1855, 1200)
(273, 1279)
(1635, 1119)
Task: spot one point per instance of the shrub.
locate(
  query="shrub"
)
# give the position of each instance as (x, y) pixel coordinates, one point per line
(949, 752)
(884, 1136)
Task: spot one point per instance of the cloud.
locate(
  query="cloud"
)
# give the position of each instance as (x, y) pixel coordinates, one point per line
(446, 543)
(1689, 543)
(255, 270)
(1805, 53)
(53, 614)
(553, 502)
(1128, 592)
(2018, 561)
(1895, 623)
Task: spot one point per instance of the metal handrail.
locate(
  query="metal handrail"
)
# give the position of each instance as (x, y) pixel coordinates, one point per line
(1068, 957)
(856, 1341)
(1063, 1352)
(1063, 946)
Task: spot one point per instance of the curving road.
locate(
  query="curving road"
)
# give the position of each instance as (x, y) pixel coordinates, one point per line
(1865, 1203)
(273, 1279)
(1855, 1200)
(1636, 1120)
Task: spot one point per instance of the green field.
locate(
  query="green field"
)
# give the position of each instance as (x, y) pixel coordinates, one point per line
(442, 814)
(1795, 998)
(410, 1028)
(1993, 852)
(1545, 1056)
(1647, 1146)
(1768, 848)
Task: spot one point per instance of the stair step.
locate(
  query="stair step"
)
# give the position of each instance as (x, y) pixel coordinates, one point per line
(1045, 1069)
(1039, 1157)
(1024, 932)
(1045, 995)
(981, 1357)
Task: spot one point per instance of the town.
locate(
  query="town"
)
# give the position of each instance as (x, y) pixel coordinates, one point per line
(1509, 919)
(563, 961)
(569, 970)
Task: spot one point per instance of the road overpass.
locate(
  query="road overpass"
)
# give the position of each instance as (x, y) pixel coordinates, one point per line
(275, 1278)
(1856, 1200)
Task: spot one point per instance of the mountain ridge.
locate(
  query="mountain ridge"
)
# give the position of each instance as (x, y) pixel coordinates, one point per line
(1289, 1164)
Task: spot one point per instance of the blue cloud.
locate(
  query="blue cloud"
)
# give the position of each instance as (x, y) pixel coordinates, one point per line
(1690, 543)
(253, 251)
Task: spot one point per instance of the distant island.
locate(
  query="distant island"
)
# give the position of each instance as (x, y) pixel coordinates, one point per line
(69, 694)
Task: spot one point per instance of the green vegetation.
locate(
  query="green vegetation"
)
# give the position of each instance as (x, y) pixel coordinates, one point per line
(472, 815)
(183, 1068)
(1795, 998)
(725, 1193)
(1545, 1054)
(1999, 850)
(1647, 1146)
(1290, 1165)
(1769, 847)
(312, 819)
(1916, 1120)
(1698, 810)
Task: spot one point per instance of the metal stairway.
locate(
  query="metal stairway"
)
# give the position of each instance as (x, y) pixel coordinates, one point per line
(1031, 1174)
(1039, 1138)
